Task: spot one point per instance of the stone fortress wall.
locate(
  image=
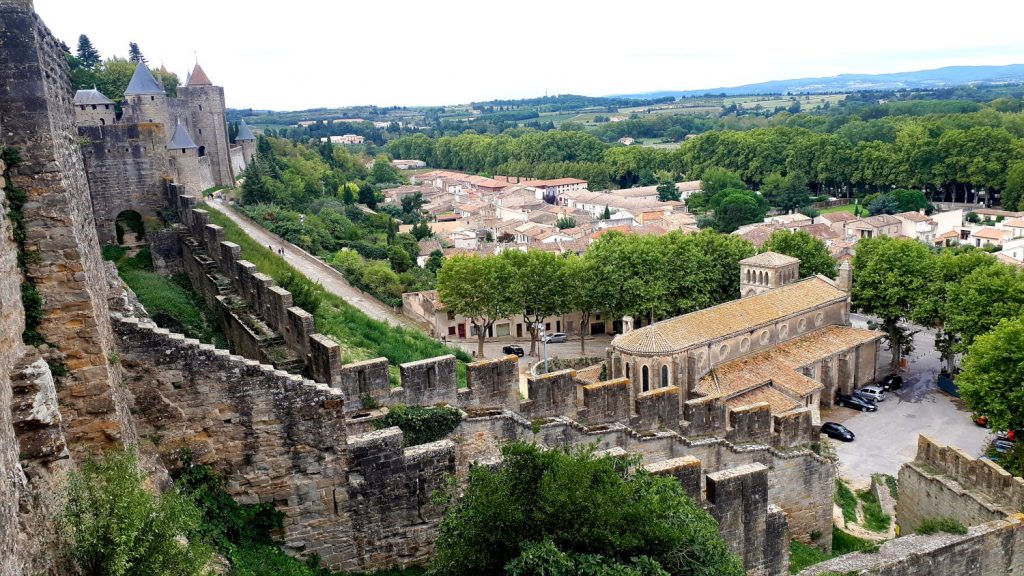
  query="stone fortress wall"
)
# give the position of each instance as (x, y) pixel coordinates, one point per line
(944, 482)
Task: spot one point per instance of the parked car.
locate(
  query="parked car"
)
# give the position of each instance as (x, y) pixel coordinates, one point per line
(837, 431)
(891, 382)
(1002, 446)
(555, 338)
(873, 393)
(513, 349)
(855, 402)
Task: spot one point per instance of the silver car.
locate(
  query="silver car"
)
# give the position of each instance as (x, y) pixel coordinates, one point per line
(875, 393)
(555, 338)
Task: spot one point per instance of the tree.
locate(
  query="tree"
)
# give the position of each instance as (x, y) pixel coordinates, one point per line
(1012, 197)
(566, 222)
(990, 382)
(607, 214)
(536, 285)
(936, 305)
(734, 208)
(884, 204)
(421, 230)
(812, 252)
(572, 507)
(434, 261)
(795, 193)
(667, 191)
(399, 259)
(413, 203)
(88, 56)
(368, 196)
(889, 277)
(979, 300)
(716, 179)
(383, 172)
(479, 289)
(135, 54)
(348, 193)
(579, 276)
(115, 526)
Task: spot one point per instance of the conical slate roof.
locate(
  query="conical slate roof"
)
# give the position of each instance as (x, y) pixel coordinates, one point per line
(181, 140)
(143, 82)
(243, 131)
(90, 96)
(198, 77)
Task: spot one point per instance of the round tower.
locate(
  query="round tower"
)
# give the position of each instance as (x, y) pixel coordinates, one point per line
(247, 140)
(184, 156)
(145, 99)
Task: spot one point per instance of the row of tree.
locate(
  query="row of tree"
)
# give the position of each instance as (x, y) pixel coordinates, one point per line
(648, 277)
(110, 76)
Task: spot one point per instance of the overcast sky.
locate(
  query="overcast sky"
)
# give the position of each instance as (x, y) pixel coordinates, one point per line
(297, 54)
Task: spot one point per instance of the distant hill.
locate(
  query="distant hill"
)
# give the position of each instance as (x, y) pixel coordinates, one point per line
(937, 78)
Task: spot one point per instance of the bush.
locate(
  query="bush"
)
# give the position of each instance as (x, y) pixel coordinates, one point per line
(577, 507)
(421, 425)
(115, 527)
(935, 525)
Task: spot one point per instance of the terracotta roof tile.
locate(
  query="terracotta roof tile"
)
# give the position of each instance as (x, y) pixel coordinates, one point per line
(769, 259)
(677, 334)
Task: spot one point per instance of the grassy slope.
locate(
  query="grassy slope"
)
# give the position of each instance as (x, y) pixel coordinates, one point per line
(360, 336)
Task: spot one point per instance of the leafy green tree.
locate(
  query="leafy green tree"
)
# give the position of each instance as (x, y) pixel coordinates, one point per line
(631, 268)
(383, 172)
(566, 222)
(549, 512)
(536, 285)
(135, 54)
(114, 526)
(889, 277)
(795, 193)
(579, 276)
(434, 261)
(112, 78)
(607, 214)
(1012, 197)
(936, 305)
(368, 196)
(812, 252)
(88, 55)
(734, 208)
(979, 300)
(990, 382)
(348, 193)
(667, 191)
(413, 203)
(884, 204)
(421, 230)
(399, 259)
(715, 180)
(911, 201)
(479, 289)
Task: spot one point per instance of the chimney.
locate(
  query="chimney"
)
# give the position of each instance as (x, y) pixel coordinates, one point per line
(845, 279)
(627, 324)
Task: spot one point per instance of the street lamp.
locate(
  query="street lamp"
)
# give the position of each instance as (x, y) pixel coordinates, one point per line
(539, 326)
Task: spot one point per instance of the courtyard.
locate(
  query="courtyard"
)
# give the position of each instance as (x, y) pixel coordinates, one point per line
(888, 438)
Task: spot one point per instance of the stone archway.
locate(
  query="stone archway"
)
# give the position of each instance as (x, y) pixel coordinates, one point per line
(130, 229)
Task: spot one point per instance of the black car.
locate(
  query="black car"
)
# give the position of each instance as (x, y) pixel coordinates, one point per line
(837, 431)
(513, 349)
(855, 402)
(891, 382)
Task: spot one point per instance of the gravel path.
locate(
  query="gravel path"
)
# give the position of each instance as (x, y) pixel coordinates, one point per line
(316, 270)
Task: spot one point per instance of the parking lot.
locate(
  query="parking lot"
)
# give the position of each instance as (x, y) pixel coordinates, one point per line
(888, 438)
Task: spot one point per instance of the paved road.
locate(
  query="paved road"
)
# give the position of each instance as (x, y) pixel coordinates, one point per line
(888, 438)
(316, 270)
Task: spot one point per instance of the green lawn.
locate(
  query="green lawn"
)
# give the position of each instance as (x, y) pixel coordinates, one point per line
(360, 337)
(844, 208)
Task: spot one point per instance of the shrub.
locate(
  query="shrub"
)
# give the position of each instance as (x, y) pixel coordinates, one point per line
(934, 525)
(115, 527)
(577, 507)
(421, 425)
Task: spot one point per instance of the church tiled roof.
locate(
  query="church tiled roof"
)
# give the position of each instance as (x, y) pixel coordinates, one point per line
(679, 333)
(142, 82)
(769, 260)
(780, 365)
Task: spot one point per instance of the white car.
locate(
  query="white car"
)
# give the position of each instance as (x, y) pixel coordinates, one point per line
(874, 393)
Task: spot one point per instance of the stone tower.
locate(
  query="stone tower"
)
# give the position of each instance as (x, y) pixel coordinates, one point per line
(206, 118)
(247, 141)
(845, 279)
(145, 98)
(184, 157)
(93, 108)
(768, 270)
